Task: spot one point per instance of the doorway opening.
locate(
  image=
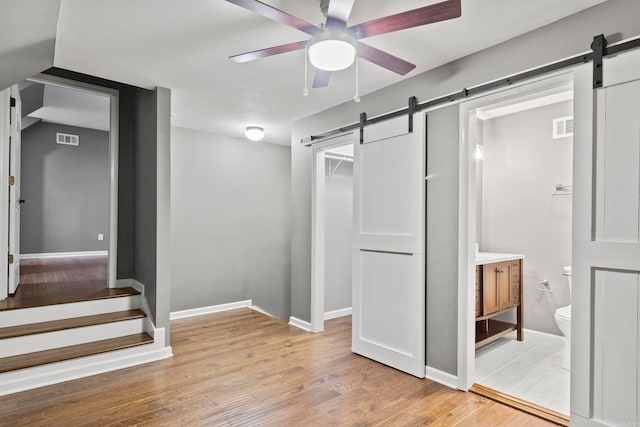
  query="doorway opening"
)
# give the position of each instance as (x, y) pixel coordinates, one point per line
(64, 197)
(519, 189)
(332, 231)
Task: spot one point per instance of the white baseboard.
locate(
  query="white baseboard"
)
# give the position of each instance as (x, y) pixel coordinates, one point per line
(334, 314)
(210, 309)
(261, 311)
(64, 254)
(294, 321)
(441, 377)
(40, 376)
(144, 304)
(543, 334)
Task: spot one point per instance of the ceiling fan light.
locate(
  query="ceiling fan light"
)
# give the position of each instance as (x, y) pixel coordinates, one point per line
(254, 133)
(332, 52)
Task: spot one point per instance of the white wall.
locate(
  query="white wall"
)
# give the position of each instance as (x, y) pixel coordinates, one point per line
(230, 222)
(339, 235)
(522, 165)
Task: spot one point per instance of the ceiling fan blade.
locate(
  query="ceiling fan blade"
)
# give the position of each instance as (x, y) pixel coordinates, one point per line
(384, 59)
(276, 15)
(339, 11)
(321, 78)
(270, 51)
(413, 18)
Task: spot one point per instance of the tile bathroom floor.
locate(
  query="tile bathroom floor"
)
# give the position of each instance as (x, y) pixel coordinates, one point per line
(529, 370)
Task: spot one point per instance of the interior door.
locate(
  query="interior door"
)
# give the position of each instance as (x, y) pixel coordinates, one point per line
(14, 192)
(605, 354)
(388, 247)
(5, 133)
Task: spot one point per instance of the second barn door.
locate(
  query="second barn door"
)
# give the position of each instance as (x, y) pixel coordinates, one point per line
(388, 246)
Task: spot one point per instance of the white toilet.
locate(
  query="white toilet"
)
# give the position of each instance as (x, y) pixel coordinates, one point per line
(563, 319)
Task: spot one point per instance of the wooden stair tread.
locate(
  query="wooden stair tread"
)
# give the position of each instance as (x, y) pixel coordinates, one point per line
(29, 360)
(75, 322)
(14, 303)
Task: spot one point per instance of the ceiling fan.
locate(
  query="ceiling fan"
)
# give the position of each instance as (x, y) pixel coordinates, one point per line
(334, 45)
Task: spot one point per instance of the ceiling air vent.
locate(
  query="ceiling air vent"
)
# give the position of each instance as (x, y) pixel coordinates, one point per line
(67, 139)
(563, 127)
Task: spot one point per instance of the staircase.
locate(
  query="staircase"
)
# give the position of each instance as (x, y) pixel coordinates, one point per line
(53, 341)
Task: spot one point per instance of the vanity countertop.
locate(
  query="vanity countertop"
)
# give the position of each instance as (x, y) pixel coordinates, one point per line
(490, 257)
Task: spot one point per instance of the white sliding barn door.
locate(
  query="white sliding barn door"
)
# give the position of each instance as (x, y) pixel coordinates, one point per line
(605, 365)
(388, 250)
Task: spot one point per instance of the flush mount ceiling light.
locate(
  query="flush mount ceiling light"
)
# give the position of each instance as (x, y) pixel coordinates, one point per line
(332, 50)
(254, 133)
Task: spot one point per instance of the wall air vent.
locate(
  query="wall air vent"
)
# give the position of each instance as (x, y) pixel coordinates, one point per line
(563, 127)
(67, 139)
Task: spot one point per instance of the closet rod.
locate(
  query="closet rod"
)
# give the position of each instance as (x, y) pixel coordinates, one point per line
(599, 50)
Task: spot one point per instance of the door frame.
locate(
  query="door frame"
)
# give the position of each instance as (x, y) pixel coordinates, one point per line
(318, 225)
(467, 210)
(114, 142)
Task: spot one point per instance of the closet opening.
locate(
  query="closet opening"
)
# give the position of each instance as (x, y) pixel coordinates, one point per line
(332, 235)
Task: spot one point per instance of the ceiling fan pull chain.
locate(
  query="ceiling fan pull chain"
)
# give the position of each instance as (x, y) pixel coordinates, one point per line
(357, 97)
(305, 92)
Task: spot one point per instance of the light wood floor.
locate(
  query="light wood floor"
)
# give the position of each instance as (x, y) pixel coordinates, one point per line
(243, 368)
(55, 280)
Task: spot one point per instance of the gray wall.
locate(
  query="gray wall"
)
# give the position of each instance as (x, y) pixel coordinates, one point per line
(145, 189)
(163, 206)
(338, 235)
(559, 40)
(230, 222)
(31, 98)
(66, 189)
(126, 180)
(442, 236)
(522, 165)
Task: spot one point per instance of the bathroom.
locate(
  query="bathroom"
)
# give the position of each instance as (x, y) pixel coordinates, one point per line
(523, 207)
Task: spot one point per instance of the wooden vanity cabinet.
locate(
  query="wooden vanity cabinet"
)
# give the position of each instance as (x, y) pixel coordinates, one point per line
(498, 290)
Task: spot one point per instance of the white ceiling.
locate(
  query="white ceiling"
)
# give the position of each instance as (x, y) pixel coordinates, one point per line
(73, 108)
(525, 103)
(345, 150)
(185, 46)
(27, 38)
